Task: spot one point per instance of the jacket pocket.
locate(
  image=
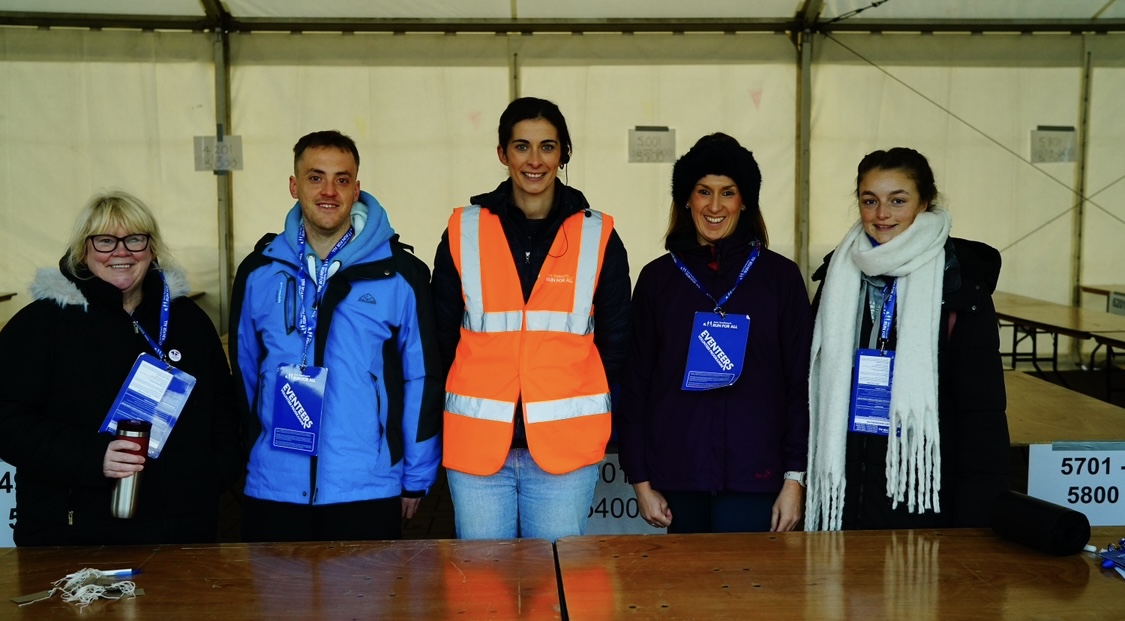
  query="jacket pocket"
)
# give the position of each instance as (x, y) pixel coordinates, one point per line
(380, 431)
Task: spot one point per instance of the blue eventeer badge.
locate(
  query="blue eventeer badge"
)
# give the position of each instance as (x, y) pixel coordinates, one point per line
(297, 408)
(717, 350)
(871, 392)
(154, 391)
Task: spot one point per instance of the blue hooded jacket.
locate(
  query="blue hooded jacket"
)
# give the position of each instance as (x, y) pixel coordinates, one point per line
(381, 421)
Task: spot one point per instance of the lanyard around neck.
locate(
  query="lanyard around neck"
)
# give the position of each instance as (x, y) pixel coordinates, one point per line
(890, 294)
(741, 276)
(307, 323)
(165, 312)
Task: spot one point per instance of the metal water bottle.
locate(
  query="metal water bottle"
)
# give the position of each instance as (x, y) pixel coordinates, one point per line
(125, 491)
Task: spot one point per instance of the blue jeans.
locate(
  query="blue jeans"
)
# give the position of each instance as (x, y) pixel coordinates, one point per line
(521, 500)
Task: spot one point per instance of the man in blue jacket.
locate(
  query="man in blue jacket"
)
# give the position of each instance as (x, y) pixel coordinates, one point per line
(332, 344)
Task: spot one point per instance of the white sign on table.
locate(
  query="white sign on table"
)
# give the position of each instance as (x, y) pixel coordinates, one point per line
(614, 510)
(8, 503)
(1116, 303)
(1088, 477)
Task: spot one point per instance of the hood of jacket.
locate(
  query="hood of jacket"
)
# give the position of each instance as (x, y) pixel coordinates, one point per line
(53, 283)
(373, 233)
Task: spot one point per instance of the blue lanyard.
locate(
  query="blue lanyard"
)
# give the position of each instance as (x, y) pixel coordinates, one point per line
(165, 312)
(307, 323)
(741, 276)
(890, 293)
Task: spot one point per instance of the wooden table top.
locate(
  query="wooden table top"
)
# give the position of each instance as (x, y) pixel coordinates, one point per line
(1040, 412)
(414, 580)
(1011, 300)
(1067, 320)
(1102, 289)
(948, 574)
(1113, 339)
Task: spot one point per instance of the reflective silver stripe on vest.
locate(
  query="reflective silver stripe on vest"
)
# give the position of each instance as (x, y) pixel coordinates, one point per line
(551, 321)
(482, 409)
(579, 321)
(510, 321)
(588, 263)
(565, 409)
(475, 319)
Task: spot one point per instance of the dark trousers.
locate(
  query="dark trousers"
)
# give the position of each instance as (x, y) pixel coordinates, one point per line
(719, 512)
(264, 520)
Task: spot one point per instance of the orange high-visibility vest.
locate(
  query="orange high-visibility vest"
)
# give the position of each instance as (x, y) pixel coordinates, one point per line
(542, 350)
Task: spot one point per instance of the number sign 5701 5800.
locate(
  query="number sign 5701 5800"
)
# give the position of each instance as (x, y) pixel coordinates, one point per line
(1085, 476)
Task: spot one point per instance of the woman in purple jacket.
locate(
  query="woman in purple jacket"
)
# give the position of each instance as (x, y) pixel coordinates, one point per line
(713, 420)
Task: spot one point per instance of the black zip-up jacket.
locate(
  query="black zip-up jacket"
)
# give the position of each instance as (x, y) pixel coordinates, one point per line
(973, 425)
(530, 240)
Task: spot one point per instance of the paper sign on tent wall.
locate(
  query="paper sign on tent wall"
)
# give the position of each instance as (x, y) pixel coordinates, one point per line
(1053, 144)
(652, 145)
(213, 154)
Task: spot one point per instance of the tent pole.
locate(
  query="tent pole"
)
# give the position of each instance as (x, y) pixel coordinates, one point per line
(1079, 213)
(803, 38)
(804, 138)
(223, 186)
(514, 77)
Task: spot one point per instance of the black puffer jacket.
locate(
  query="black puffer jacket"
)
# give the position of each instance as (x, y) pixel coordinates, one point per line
(972, 422)
(65, 357)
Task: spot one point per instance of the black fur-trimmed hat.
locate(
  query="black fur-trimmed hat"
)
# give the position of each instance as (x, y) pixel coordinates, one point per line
(717, 154)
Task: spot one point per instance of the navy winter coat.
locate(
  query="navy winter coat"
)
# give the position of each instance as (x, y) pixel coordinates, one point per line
(740, 438)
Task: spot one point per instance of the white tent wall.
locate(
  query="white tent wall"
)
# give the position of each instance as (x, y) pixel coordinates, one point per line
(422, 109)
(88, 110)
(1104, 233)
(968, 104)
(83, 112)
(696, 84)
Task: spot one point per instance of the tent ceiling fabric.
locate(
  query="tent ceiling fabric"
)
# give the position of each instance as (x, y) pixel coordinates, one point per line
(531, 15)
(107, 7)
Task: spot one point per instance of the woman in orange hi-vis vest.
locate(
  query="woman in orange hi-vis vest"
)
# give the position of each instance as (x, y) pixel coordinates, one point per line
(531, 297)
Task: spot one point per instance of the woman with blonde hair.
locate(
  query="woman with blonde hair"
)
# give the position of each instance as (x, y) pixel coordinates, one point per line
(67, 355)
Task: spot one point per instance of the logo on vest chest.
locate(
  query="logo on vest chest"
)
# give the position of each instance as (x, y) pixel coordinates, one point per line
(559, 278)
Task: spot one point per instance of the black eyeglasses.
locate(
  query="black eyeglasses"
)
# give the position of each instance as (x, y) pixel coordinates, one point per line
(137, 242)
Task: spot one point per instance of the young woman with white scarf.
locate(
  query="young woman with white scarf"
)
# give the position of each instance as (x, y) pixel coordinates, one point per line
(933, 450)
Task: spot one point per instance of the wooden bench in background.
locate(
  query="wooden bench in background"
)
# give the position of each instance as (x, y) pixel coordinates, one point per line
(1030, 317)
(1110, 292)
(1040, 412)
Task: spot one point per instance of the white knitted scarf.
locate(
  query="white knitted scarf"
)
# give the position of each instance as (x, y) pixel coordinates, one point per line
(916, 258)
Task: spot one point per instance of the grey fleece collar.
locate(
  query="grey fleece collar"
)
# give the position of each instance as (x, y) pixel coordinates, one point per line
(51, 284)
